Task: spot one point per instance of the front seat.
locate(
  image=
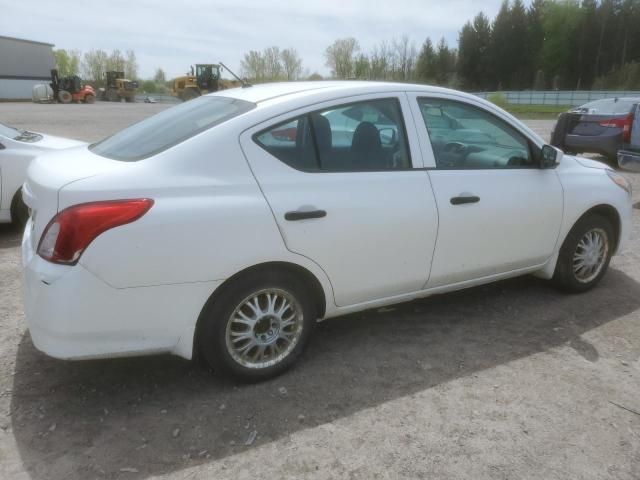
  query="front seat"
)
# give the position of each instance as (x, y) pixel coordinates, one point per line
(305, 151)
(366, 148)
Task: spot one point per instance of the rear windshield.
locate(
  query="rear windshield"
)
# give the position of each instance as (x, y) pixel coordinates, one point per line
(168, 128)
(613, 106)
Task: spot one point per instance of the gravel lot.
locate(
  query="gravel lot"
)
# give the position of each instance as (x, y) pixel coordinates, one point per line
(505, 381)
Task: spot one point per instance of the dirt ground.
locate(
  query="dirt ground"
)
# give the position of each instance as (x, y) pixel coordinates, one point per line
(512, 380)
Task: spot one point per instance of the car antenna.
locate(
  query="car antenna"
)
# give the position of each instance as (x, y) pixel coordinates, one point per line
(244, 83)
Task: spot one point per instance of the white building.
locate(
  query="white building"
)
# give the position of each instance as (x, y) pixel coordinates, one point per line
(23, 63)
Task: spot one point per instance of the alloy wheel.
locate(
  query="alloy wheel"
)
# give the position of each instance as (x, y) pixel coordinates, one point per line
(590, 255)
(264, 328)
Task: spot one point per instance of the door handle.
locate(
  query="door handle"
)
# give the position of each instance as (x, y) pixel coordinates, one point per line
(464, 199)
(304, 215)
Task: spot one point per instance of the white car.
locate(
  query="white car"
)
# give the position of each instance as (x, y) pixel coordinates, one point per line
(198, 230)
(17, 149)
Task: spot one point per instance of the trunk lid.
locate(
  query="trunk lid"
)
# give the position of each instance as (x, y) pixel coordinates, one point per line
(591, 125)
(604, 117)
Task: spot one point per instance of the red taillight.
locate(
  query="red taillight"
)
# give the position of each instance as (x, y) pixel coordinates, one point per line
(623, 123)
(71, 231)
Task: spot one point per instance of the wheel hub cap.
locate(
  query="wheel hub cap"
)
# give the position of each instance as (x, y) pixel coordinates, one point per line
(590, 255)
(264, 328)
(267, 329)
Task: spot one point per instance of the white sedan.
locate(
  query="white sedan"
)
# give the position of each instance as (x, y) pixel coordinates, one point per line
(228, 225)
(17, 149)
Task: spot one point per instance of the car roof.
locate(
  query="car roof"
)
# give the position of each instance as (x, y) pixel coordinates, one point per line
(282, 90)
(274, 99)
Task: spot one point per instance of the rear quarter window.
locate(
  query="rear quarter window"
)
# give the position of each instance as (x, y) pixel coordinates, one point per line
(170, 127)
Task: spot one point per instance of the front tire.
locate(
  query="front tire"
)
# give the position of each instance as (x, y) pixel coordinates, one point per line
(585, 254)
(257, 327)
(64, 96)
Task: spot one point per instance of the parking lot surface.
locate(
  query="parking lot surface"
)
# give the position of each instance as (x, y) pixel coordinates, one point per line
(504, 381)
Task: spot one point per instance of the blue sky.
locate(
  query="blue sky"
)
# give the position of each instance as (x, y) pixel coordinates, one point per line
(174, 35)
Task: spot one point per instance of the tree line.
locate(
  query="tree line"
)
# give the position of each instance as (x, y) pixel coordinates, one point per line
(562, 44)
(557, 44)
(566, 44)
(394, 60)
(272, 64)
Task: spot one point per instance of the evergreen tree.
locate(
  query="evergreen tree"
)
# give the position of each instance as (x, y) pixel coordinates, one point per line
(426, 65)
(500, 46)
(519, 56)
(535, 40)
(445, 63)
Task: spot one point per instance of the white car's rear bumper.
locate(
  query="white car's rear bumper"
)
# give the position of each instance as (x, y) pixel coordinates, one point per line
(72, 314)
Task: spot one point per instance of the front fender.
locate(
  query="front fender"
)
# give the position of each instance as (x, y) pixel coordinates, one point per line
(589, 189)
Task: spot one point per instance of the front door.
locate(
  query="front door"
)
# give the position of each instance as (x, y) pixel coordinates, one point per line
(342, 186)
(499, 212)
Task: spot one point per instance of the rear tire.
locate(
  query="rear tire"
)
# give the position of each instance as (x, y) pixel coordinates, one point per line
(64, 96)
(89, 98)
(112, 96)
(585, 254)
(19, 211)
(257, 327)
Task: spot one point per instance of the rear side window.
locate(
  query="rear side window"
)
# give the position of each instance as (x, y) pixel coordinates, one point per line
(168, 128)
(362, 136)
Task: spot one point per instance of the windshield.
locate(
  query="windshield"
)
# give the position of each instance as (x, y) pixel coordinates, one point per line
(609, 106)
(168, 128)
(207, 70)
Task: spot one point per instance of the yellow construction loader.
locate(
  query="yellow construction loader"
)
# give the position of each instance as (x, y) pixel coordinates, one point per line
(203, 79)
(118, 88)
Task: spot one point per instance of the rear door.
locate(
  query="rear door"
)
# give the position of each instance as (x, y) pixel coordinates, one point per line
(343, 180)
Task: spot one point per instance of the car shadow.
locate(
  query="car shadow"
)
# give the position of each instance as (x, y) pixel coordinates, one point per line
(154, 415)
(10, 235)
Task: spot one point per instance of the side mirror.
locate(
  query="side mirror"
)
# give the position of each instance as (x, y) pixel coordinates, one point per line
(550, 157)
(629, 161)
